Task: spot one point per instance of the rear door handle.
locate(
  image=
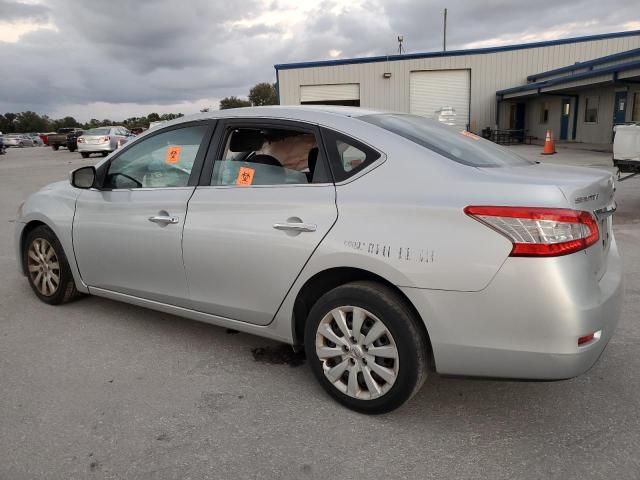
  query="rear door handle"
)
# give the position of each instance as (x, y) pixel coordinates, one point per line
(163, 219)
(295, 227)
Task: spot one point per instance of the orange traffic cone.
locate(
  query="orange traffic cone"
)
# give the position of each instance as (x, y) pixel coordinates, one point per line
(549, 144)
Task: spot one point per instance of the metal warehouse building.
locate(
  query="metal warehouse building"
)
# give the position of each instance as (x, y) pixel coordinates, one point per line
(578, 87)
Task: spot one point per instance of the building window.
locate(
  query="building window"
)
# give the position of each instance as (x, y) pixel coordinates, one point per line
(635, 115)
(544, 112)
(591, 110)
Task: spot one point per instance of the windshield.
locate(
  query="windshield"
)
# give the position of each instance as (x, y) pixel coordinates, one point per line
(458, 145)
(98, 131)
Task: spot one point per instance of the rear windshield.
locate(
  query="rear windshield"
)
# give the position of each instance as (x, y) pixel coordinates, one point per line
(98, 131)
(458, 145)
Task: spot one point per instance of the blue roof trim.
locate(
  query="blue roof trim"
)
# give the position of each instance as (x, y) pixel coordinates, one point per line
(453, 53)
(570, 78)
(586, 64)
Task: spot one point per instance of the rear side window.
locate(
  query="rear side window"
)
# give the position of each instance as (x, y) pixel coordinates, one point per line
(457, 145)
(269, 155)
(347, 156)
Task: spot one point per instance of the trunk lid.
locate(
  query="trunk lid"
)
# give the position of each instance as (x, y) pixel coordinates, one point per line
(93, 139)
(586, 189)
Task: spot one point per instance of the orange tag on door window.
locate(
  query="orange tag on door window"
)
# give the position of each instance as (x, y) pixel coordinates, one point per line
(173, 154)
(245, 176)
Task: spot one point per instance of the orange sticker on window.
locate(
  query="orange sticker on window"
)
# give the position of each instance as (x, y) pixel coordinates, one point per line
(173, 154)
(245, 176)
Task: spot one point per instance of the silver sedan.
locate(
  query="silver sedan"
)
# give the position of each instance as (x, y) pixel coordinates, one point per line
(103, 140)
(386, 245)
(17, 140)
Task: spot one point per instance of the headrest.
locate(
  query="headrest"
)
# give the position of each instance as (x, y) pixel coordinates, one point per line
(245, 140)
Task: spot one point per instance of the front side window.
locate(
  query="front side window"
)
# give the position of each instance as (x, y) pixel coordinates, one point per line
(591, 110)
(269, 156)
(457, 145)
(163, 160)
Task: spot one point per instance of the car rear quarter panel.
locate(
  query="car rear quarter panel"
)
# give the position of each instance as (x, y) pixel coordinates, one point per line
(404, 221)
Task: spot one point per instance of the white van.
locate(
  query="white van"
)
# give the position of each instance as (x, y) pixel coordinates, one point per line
(626, 148)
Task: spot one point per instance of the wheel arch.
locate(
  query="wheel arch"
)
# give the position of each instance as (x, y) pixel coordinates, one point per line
(327, 280)
(28, 228)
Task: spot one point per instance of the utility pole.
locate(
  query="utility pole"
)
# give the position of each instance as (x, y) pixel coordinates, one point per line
(444, 38)
(400, 47)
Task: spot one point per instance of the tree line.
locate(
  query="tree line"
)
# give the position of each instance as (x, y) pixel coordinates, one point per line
(261, 94)
(28, 122)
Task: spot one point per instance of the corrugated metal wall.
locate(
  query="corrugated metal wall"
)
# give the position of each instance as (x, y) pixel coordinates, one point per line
(489, 72)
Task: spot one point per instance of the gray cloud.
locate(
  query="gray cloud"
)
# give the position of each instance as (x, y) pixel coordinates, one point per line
(11, 11)
(161, 52)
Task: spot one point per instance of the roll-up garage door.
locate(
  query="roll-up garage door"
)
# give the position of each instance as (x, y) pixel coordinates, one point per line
(441, 94)
(336, 94)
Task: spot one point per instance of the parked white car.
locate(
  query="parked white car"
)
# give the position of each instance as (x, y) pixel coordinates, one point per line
(103, 140)
(37, 141)
(626, 148)
(17, 140)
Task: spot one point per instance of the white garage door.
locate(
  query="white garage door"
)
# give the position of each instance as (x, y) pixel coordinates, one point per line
(329, 93)
(441, 94)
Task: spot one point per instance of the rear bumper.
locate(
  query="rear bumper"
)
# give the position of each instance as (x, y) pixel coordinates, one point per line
(527, 322)
(95, 147)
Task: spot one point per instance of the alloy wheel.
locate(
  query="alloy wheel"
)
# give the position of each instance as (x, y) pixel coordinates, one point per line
(43, 267)
(358, 353)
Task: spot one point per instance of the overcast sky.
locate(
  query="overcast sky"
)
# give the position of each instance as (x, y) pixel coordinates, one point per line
(118, 58)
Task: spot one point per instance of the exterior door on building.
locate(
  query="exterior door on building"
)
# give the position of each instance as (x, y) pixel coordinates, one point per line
(441, 94)
(516, 116)
(564, 118)
(620, 108)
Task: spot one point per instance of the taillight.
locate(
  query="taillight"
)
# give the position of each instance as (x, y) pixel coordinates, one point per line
(540, 232)
(80, 140)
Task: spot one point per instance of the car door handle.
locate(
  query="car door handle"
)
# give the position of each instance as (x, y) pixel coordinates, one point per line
(295, 227)
(163, 219)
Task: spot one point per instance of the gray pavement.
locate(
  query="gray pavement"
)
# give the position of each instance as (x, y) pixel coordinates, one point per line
(100, 389)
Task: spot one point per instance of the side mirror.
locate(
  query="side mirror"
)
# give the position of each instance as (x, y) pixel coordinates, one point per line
(83, 177)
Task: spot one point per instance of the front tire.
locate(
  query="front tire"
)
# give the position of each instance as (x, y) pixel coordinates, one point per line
(55, 147)
(365, 347)
(47, 267)
(84, 154)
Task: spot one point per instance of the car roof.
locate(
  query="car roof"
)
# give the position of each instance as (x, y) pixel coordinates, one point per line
(309, 113)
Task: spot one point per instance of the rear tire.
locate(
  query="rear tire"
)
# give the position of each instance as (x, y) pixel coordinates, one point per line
(47, 267)
(84, 154)
(55, 147)
(378, 358)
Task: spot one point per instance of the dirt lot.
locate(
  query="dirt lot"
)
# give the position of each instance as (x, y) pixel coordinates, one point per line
(99, 389)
